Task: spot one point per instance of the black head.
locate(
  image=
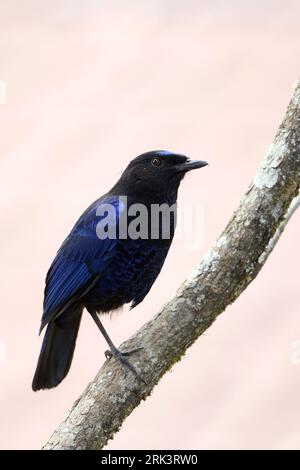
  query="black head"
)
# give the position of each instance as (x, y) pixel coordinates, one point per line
(156, 174)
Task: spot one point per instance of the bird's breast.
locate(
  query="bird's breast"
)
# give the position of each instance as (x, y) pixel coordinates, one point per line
(130, 275)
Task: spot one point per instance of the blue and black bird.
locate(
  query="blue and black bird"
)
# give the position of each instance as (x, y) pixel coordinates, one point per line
(103, 273)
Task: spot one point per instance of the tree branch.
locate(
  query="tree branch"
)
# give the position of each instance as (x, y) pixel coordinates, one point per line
(231, 264)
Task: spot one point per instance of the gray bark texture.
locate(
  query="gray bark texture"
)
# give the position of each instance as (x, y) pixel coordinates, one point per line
(230, 265)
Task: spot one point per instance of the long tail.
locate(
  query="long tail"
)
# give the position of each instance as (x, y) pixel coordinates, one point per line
(57, 349)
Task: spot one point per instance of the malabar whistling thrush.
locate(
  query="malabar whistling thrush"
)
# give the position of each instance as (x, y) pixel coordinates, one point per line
(111, 257)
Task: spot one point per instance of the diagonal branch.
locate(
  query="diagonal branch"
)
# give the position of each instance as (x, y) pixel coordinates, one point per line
(231, 264)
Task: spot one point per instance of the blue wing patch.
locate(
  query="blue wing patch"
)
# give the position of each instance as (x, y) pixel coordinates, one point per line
(79, 262)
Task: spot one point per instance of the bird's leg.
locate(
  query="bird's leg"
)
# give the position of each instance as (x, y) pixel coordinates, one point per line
(114, 351)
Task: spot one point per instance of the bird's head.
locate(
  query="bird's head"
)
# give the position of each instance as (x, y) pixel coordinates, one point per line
(157, 173)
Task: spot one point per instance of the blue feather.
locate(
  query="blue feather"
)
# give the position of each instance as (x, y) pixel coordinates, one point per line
(81, 258)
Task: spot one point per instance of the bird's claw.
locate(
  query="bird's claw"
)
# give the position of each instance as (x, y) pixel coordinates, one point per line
(122, 357)
(132, 351)
(108, 354)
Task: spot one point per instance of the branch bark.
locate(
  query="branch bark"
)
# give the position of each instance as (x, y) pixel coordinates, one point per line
(230, 265)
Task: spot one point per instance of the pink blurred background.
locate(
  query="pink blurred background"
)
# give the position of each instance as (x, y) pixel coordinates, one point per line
(91, 84)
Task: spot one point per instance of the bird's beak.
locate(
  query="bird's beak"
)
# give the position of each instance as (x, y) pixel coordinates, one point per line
(191, 165)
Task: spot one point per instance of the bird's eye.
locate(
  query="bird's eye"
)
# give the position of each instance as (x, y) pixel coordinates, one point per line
(156, 161)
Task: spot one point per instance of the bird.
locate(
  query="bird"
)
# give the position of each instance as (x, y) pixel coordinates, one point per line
(102, 273)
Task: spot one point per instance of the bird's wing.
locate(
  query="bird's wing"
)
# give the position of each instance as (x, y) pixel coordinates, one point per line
(80, 260)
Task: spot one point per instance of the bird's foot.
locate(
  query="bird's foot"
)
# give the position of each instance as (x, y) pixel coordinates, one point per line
(122, 357)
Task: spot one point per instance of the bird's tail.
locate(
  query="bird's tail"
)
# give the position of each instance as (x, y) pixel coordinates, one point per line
(57, 350)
